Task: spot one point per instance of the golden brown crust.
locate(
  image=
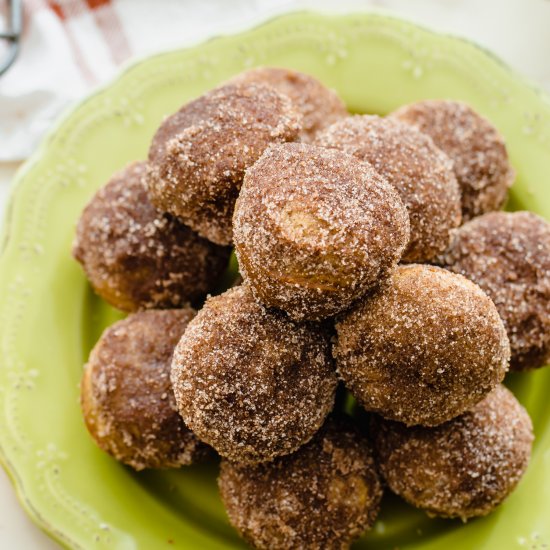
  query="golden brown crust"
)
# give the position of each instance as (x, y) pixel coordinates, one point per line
(463, 468)
(126, 394)
(251, 382)
(315, 229)
(420, 172)
(508, 256)
(424, 348)
(137, 258)
(319, 105)
(199, 155)
(473, 144)
(322, 496)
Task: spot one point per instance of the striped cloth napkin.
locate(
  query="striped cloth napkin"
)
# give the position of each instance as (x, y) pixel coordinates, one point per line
(70, 46)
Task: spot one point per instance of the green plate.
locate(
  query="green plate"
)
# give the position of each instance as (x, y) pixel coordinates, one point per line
(49, 318)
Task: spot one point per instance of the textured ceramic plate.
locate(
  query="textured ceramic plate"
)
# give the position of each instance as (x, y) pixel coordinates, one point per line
(49, 319)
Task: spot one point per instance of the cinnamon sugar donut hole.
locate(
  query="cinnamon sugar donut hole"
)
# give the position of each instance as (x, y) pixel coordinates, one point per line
(420, 172)
(315, 229)
(127, 397)
(508, 256)
(324, 495)
(319, 105)
(428, 345)
(250, 382)
(138, 258)
(199, 155)
(475, 146)
(463, 468)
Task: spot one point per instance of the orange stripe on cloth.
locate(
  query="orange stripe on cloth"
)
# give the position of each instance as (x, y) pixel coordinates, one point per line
(110, 26)
(64, 12)
(57, 9)
(93, 4)
(69, 8)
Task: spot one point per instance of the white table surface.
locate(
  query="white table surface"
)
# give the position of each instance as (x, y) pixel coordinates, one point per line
(516, 30)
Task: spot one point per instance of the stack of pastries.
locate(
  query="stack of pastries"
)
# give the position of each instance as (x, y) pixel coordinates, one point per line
(375, 262)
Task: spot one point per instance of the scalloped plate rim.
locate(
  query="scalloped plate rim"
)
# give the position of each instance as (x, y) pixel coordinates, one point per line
(129, 65)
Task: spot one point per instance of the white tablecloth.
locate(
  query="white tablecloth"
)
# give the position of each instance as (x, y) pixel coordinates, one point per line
(516, 30)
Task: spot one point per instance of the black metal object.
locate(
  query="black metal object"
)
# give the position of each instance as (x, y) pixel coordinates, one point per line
(12, 34)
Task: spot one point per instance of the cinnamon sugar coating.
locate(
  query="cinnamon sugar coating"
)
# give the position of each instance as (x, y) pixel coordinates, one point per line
(322, 496)
(424, 348)
(315, 229)
(319, 105)
(463, 468)
(250, 382)
(199, 154)
(420, 172)
(474, 145)
(137, 258)
(127, 397)
(508, 256)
